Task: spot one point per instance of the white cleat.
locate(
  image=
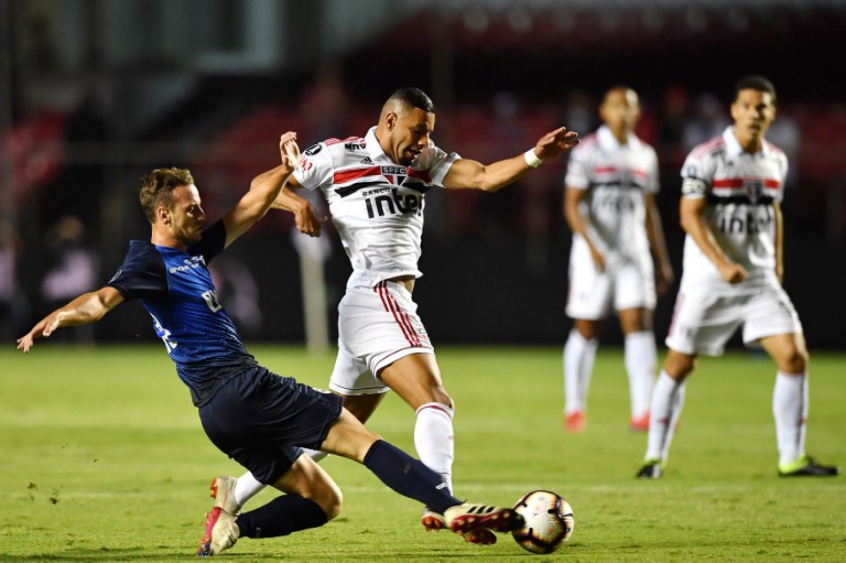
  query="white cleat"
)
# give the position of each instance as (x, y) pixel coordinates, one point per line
(466, 518)
(223, 493)
(432, 521)
(221, 532)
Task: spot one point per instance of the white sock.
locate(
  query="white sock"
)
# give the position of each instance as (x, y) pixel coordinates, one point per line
(434, 439)
(579, 356)
(790, 409)
(641, 359)
(667, 402)
(248, 487)
(316, 455)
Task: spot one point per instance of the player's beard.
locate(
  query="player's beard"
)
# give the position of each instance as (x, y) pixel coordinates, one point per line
(189, 237)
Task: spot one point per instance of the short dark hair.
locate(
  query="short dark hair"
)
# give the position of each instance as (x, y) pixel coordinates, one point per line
(414, 97)
(754, 82)
(157, 189)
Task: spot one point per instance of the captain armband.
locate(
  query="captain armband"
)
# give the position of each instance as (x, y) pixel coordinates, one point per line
(694, 186)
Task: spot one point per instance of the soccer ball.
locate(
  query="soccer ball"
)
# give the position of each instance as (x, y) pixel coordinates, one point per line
(549, 522)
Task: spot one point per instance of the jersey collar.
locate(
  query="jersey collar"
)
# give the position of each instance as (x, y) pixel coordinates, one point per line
(374, 149)
(733, 147)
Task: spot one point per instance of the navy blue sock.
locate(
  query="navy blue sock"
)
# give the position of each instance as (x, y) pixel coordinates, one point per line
(280, 517)
(408, 476)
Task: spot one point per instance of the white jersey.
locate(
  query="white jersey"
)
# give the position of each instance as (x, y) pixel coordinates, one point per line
(617, 177)
(740, 189)
(376, 204)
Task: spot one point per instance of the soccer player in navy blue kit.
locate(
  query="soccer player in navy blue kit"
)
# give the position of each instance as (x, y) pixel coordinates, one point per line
(258, 418)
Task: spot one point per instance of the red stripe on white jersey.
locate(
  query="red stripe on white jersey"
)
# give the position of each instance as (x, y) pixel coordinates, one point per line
(347, 175)
(740, 182)
(420, 174)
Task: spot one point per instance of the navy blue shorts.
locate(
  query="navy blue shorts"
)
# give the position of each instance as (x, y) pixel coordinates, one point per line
(262, 421)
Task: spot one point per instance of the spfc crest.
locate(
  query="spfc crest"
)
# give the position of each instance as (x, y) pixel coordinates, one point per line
(754, 189)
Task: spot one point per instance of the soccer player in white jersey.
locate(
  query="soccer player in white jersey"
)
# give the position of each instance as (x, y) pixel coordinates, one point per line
(731, 211)
(609, 204)
(375, 187)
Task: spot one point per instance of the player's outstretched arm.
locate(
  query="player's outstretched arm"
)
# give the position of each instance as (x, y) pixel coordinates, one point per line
(264, 189)
(694, 224)
(86, 309)
(469, 174)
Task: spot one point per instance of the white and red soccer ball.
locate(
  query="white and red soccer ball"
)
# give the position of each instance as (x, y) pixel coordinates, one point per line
(549, 522)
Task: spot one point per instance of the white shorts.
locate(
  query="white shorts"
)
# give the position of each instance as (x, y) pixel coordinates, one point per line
(625, 284)
(376, 327)
(705, 317)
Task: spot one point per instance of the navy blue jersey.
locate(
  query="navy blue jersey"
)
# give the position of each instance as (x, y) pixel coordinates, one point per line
(177, 290)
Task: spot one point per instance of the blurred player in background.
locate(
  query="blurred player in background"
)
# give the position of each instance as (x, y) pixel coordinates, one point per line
(252, 415)
(375, 187)
(609, 204)
(731, 211)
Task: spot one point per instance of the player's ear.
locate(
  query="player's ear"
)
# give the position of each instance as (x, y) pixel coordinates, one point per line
(162, 215)
(391, 120)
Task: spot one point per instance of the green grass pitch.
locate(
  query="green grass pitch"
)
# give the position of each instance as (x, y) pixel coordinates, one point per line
(102, 458)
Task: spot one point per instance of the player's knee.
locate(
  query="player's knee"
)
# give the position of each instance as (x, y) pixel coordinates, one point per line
(441, 397)
(794, 360)
(679, 366)
(330, 499)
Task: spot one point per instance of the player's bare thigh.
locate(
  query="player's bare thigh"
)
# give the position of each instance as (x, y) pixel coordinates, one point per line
(417, 379)
(362, 406)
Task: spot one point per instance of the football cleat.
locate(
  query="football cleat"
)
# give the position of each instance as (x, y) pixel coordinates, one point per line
(806, 466)
(639, 424)
(651, 470)
(223, 493)
(465, 518)
(575, 422)
(433, 521)
(221, 532)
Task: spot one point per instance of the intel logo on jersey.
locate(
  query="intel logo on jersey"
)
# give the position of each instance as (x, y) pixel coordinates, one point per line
(394, 204)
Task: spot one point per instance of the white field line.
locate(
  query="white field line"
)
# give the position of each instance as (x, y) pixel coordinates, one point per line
(65, 494)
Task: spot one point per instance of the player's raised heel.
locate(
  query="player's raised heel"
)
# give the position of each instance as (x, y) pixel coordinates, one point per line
(432, 521)
(806, 466)
(221, 532)
(223, 493)
(465, 518)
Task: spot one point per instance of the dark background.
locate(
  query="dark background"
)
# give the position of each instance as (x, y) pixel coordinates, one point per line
(94, 95)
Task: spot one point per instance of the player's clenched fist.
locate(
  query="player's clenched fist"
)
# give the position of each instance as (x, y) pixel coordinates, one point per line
(289, 150)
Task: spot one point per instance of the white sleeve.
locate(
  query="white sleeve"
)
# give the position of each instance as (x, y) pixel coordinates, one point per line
(578, 170)
(316, 167)
(436, 162)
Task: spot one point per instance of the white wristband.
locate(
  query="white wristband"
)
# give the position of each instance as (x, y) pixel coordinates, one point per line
(532, 159)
